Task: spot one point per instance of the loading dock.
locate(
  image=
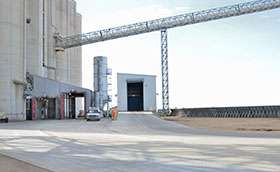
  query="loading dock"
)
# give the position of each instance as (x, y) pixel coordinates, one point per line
(51, 99)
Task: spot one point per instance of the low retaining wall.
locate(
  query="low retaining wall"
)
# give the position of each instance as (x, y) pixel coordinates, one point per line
(231, 112)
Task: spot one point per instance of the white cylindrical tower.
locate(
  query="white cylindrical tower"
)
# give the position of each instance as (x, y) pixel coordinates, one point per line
(100, 81)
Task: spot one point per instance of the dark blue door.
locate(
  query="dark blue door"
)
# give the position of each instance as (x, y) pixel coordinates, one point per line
(135, 96)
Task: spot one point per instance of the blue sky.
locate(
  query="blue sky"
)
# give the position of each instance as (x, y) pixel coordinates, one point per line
(229, 62)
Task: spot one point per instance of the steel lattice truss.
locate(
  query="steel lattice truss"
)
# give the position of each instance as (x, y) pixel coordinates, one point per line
(164, 72)
(165, 23)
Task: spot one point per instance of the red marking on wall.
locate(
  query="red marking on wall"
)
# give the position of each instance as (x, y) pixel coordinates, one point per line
(34, 107)
(62, 107)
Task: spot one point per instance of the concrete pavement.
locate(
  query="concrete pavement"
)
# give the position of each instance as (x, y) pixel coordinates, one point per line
(137, 142)
(8, 164)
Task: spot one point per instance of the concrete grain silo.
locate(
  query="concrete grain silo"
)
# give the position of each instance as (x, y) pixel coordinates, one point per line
(12, 57)
(34, 38)
(31, 70)
(75, 59)
(69, 62)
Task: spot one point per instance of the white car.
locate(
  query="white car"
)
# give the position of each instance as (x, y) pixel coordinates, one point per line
(93, 115)
(3, 118)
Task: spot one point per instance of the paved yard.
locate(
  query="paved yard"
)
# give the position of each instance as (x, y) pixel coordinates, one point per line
(8, 164)
(137, 142)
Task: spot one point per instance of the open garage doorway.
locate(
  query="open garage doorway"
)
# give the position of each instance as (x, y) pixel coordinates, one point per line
(51, 108)
(135, 96)
(74, 105)
(80, 107)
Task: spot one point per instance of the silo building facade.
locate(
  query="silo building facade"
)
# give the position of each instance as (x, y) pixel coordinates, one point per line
(36, 81)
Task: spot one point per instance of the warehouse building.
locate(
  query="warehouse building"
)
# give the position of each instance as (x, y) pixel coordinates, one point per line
(27, 51)
(136, 92)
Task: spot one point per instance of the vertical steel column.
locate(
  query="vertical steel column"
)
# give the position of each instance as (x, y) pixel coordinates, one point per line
(164, 72)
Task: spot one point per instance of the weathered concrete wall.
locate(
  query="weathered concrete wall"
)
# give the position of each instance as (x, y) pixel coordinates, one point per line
(76, 56)
(34, 41)
(47, 18)
(69, 62)
(12, 68)
(232, 112)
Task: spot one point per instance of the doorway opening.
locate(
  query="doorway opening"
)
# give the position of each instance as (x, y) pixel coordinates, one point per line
(74, 105)
(135, 97)
(29, 109)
